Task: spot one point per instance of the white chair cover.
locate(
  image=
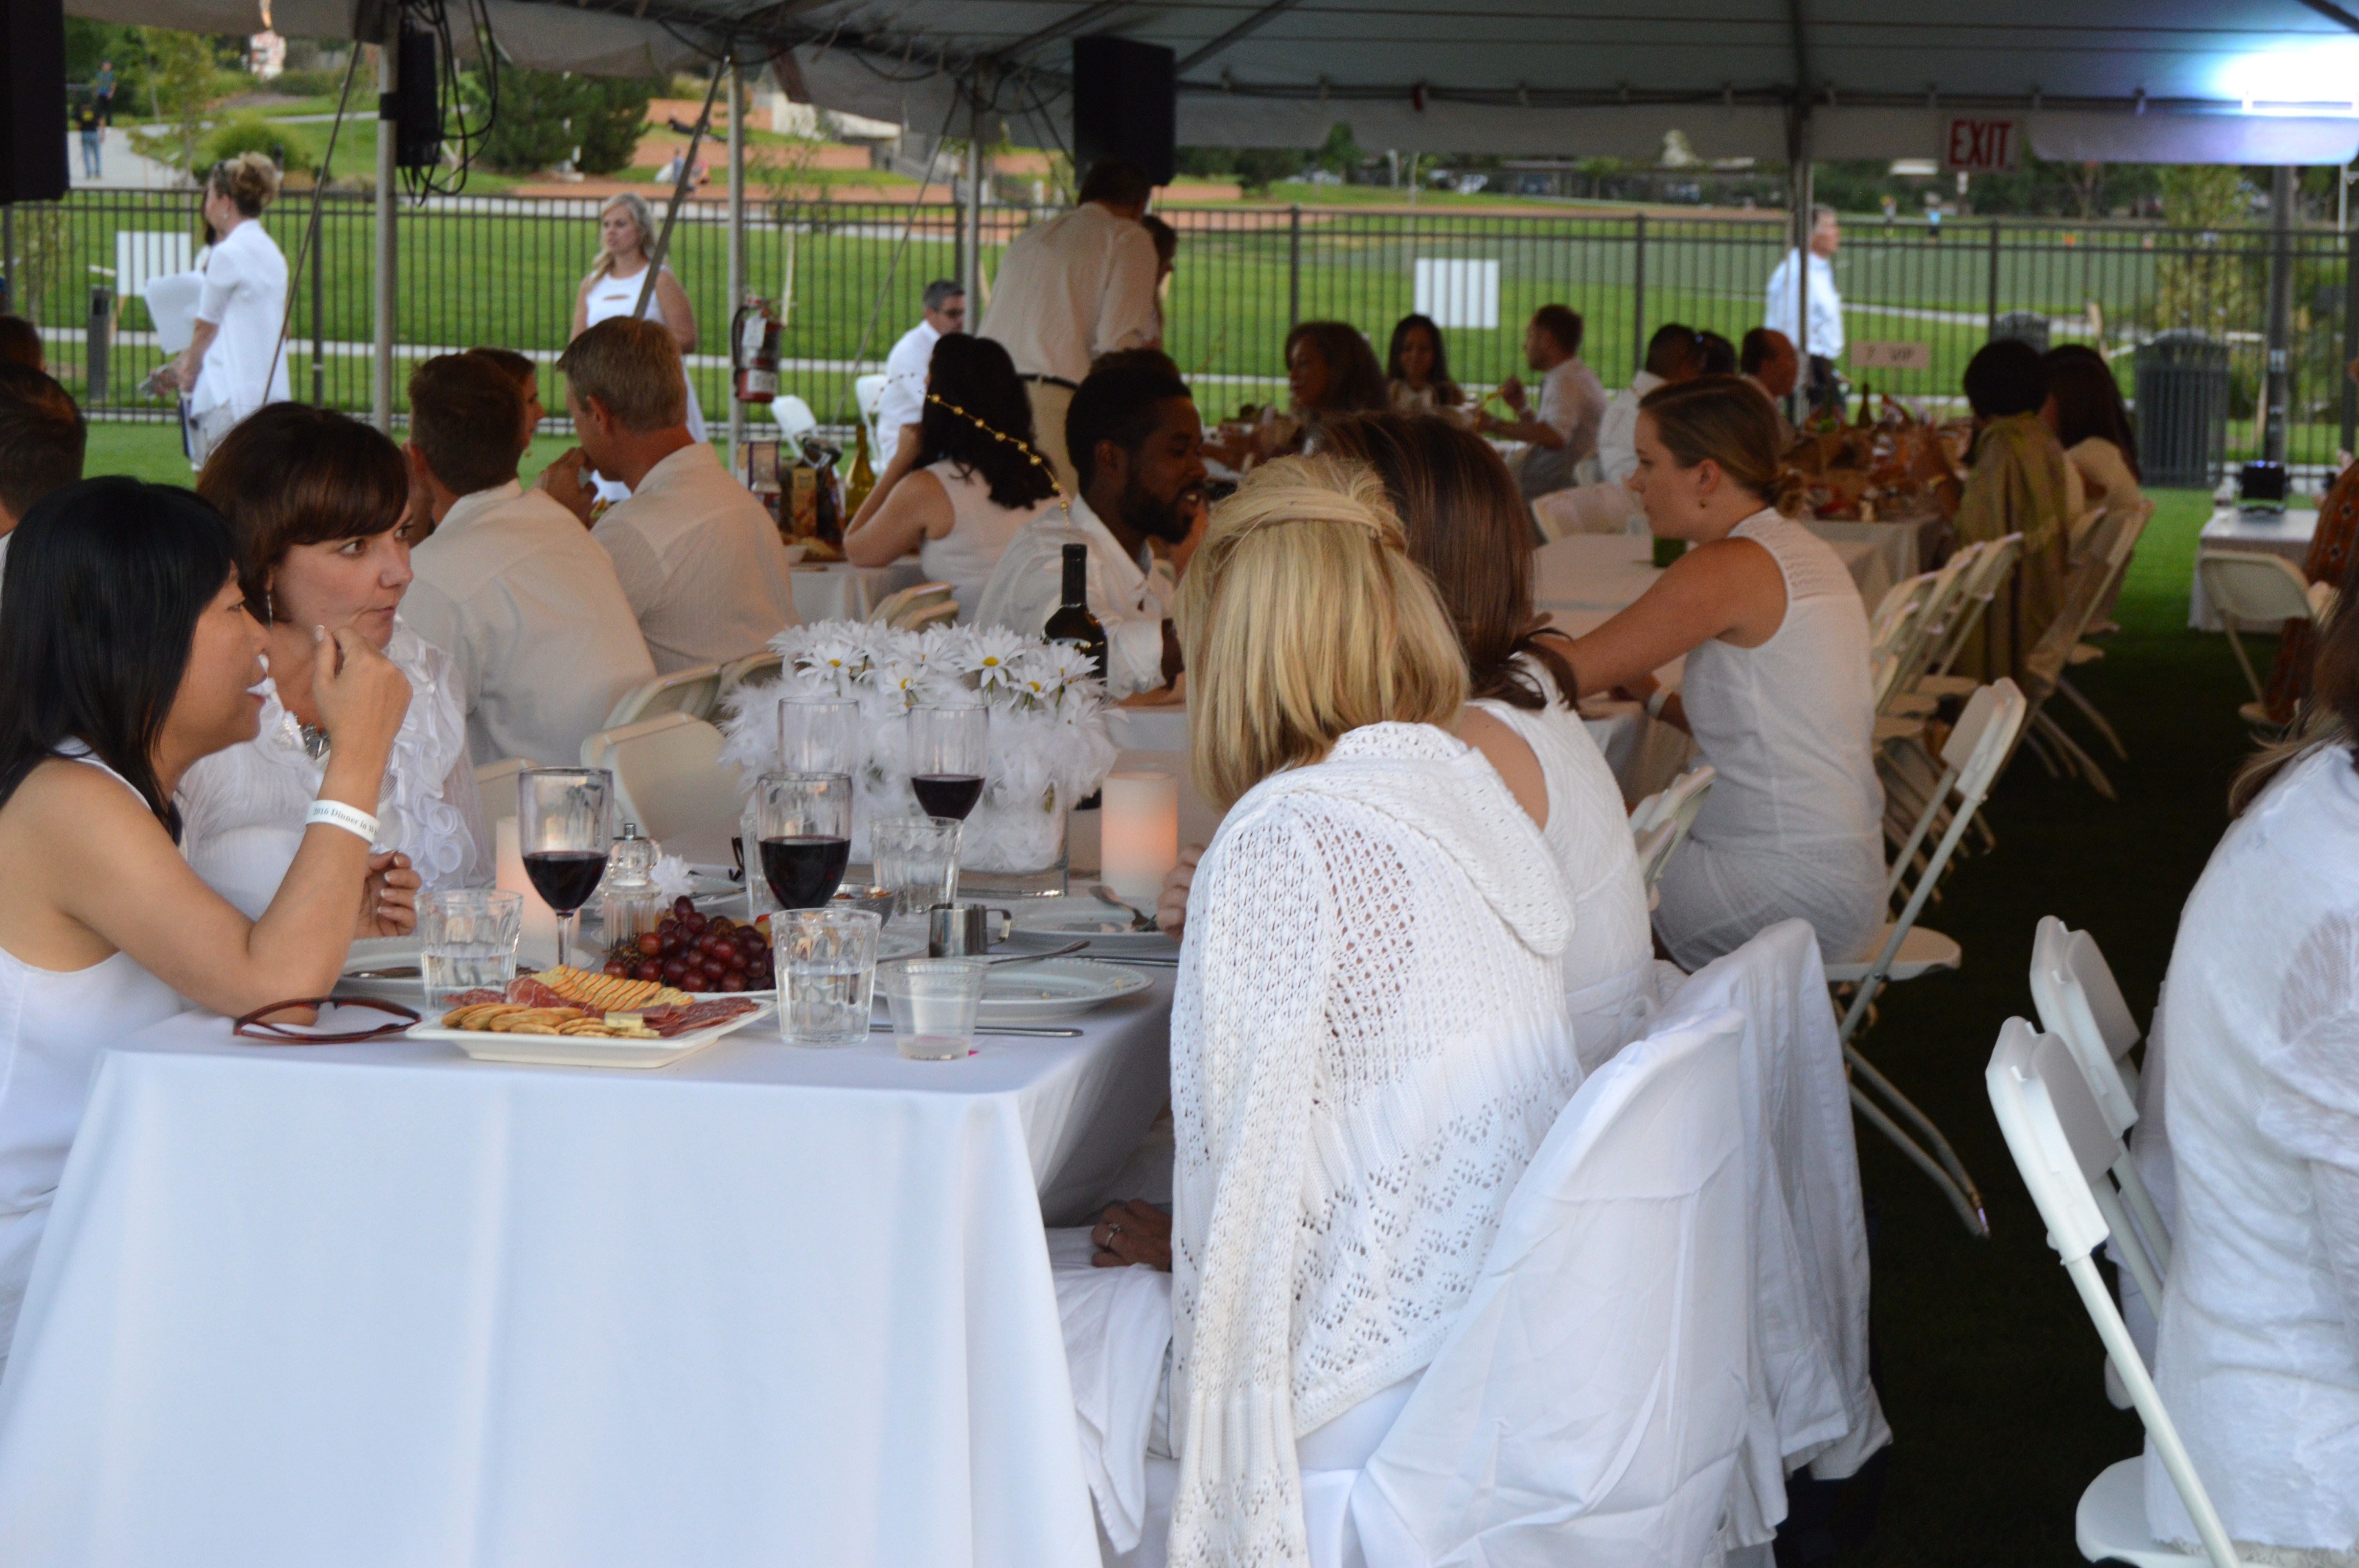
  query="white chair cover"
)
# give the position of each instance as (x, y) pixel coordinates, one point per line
(1590, 1403)
(1809, 1232)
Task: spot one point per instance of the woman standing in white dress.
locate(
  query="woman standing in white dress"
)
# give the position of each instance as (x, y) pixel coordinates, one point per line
(1775, 691)
(128, 654)
(974, 478)
(316, 499)
(234, 364)
(626, 238)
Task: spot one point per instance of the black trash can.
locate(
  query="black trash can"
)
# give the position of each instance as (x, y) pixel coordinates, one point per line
(2182, 409)
(2025, 326)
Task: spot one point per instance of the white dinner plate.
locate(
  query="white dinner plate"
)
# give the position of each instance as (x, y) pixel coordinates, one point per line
(585, 1051)
(1080, 916)
(1054, 988)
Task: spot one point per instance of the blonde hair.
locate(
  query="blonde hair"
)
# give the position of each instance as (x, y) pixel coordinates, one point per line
(643, 220)
(631, 365)
(250, 181)
(1302, 617)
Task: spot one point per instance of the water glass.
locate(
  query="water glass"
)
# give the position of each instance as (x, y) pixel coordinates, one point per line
(820, 735)
(467, 941)
(934, 1002)
(826, 963)
(917, 860)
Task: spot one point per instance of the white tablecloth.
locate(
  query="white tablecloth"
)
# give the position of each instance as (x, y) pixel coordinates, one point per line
(839, 591)
(378, 1304)
(2286, 534)
(1905, 548)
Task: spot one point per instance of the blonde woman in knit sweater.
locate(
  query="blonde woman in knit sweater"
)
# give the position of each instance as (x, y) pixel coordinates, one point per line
(1369, 1039)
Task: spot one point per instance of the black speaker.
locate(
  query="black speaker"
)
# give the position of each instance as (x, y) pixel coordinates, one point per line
(33, 108)
(413, 107)
(1124, 105)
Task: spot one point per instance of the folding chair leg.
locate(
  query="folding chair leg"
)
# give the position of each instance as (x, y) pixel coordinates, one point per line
(1968, 1210)
(2089, 711)
(2039, 749)
(2054, 733)
(1952, 1170)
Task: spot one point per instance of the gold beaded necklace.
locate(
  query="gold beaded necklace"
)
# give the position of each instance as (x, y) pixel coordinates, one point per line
(1030, 456)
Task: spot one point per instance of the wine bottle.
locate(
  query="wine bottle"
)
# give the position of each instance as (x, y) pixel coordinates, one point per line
(1071, 621)
(862, 478)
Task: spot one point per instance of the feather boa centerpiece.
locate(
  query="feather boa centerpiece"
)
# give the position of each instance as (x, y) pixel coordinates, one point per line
(1048, 746)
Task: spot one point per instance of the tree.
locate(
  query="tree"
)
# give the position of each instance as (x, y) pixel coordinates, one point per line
(1339, 154)
(182, 80)
(544, 117)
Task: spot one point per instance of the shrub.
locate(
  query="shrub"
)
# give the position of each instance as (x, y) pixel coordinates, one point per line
(250, 132)
(545, 116)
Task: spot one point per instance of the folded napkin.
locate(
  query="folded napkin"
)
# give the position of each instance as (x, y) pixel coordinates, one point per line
(1117, 1327)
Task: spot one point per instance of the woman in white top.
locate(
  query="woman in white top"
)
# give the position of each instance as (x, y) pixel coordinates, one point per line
(234, 364)
(317, 501)
(127, 655)
(973, 479)
(1369, 1037)
(2257, 1349)
(1776, 690)
(626, 238)
(1468, 528)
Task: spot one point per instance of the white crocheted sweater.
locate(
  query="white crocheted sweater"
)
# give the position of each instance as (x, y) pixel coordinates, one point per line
(1369, 1040)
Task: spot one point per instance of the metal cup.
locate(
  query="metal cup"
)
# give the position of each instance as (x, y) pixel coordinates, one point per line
(965, 930)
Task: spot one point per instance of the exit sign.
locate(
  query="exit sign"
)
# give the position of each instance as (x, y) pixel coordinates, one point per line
(1982, 146)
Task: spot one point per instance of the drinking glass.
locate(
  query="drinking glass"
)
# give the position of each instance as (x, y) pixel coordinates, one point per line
(805, 822)
(467, 941)
(826, 967)
(934, 1002)
(917, 860)
(949, 748)
(565, 823)
(819, 735)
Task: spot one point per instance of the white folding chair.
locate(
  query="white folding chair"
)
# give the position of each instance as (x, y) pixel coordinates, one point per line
(752, 667)
(1660, 822)
(1971, 760)
(900, 610)
(495, 786)
(694, 691)
(1982, 582)
(2248, 585)
(793, 417)
(2063, 1148)
(868, 395)
(668, 776)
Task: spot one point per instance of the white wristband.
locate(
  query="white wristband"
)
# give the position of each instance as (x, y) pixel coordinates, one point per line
(351, 818)
(1660, 700)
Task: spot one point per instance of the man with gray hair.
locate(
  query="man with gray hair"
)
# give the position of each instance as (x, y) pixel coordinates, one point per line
(697, 557)
(905, 367)
(1822, 343)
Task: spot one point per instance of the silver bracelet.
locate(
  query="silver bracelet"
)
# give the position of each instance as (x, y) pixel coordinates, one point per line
(351, 818)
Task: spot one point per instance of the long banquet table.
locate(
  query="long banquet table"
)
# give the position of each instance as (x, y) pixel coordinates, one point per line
(380, 1305)
(2287, 533)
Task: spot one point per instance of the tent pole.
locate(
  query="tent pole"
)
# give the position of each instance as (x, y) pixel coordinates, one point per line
(2280, 379)
(381, 366)
(736, 244)
(1798, 152)
(2350, 339)
(971, 220)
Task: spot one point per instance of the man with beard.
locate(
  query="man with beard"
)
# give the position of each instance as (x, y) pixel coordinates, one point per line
(1138, 452)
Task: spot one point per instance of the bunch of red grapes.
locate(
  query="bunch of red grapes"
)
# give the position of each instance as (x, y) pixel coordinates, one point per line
(698, 953)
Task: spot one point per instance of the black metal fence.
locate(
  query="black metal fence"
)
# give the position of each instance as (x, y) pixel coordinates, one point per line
(1918, 298)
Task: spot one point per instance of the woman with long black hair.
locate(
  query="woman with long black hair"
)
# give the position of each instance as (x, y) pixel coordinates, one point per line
(974, 478)
(127, 654)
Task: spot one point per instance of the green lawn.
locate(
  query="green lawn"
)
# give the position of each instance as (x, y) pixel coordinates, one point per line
(152, 451)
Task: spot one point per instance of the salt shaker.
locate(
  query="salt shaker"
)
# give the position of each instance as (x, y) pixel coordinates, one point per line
(633, 904)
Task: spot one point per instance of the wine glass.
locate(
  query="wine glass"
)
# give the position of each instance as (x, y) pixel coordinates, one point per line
(565, 823)
(819, 735)
(948, 750)
(805, 821)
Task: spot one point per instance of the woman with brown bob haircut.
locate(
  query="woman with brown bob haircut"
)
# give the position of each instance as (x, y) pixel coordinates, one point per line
(1468, 528)
(315, 501)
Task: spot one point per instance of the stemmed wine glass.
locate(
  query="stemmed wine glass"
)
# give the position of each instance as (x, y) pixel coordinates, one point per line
(805, 822)
(565, 825)
(948, 751)
(819, 735)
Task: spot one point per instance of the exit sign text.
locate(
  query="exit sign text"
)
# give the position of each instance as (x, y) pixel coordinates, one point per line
(1982, 146)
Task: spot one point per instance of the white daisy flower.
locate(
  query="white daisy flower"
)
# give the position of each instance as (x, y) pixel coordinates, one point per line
(992, 658)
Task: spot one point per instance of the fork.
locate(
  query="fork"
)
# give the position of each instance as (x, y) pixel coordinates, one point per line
(1138, 921)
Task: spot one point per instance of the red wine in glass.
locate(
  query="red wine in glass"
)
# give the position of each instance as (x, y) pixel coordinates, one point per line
(947, 794)
(804, 869)
(565, 877)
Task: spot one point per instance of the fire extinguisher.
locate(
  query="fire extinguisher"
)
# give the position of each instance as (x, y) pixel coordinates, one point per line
(754, 351)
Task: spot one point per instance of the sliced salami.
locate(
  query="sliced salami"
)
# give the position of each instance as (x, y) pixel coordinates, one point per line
(672, 1021)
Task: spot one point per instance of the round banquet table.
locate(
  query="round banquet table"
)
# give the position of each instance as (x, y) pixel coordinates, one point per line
(382, 1304)
(837, 590)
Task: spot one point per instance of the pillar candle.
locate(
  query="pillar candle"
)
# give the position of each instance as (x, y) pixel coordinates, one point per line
(1139, 832)
(536, 948)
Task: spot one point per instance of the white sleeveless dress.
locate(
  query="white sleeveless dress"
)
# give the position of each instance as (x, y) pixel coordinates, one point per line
(610, 296)
(1793, 824)
(1608, 968)
(980, 530)
(53, 1025)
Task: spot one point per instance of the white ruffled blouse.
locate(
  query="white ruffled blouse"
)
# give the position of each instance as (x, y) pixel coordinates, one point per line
(241, 809)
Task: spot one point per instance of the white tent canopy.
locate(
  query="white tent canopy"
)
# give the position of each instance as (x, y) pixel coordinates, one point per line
(2161, 81)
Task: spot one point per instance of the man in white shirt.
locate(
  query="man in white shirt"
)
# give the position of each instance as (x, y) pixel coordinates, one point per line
(1137, 438)
(42, 438)
(1670, 356)
(1769, 361)
(510, 585)
(905, 367)
(1563, 429)
(1079, 286)
(699, 557)
(1823, 343)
